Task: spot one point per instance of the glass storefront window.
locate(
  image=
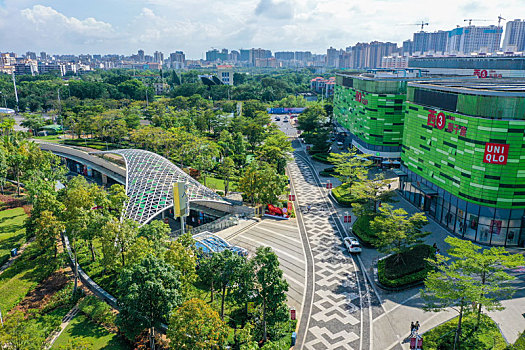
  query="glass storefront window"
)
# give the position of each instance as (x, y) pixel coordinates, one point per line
(472, 221)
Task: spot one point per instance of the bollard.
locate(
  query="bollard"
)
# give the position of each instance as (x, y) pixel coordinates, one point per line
(294, 338)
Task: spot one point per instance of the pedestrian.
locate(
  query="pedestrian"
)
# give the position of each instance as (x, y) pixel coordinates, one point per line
(435, 246)
(412, 327)
(416, 326)
(309, 207)
(389, 186)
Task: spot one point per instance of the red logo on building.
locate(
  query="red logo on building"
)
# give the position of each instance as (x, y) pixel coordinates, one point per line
(359, 97)
(439, 121)
(496, 153)
(483, 73)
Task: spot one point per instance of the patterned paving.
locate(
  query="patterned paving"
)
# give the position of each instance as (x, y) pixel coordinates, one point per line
(336, 318)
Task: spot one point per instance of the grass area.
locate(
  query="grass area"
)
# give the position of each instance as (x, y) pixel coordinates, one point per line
(92, 143)
(411, 267)
(50, 138)
(95, 270)
(488, 335)
(24, 275)
(218, 184)
(81, 328)
(12, 231)
(363, 230)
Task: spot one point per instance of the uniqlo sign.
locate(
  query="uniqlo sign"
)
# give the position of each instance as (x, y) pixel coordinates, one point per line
(496, 153)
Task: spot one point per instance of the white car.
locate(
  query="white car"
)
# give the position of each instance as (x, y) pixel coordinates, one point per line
(352, 245)
(339, 143)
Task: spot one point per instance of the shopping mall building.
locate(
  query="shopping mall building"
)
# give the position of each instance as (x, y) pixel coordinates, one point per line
(462, 149)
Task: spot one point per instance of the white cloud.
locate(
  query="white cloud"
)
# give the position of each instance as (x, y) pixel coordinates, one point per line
(195, 26)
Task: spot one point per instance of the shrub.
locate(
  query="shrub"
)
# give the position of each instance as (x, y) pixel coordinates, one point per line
(343, 196)
(328, 172)
(321, 157)
(363, 230)
(411, 269)
(220, 193)
(97, 310)
(488, 335)
(519, 344)
(62, 298)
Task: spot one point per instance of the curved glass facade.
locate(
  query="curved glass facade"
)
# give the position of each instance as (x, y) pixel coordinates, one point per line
(486, 225)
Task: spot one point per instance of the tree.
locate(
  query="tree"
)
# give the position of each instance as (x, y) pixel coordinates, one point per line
(312, 118)
(270, 287)
(195, 325)
(20, 334)
(157, 232)
(487, 267)
(47, 230)
(33, 122)
(148, 292)
(275, 150)
(181, 255)
(350, 166)
(449, 287)
(373, 191)
(227, 169)
(228, 265)
(261, 183)
(396, 231)
(122, 234)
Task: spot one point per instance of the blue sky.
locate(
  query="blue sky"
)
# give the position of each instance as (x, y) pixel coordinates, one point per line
(195, 26)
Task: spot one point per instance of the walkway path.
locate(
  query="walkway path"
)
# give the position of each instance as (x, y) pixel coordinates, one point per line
(339, 304)
(65, 322)
(13, 258)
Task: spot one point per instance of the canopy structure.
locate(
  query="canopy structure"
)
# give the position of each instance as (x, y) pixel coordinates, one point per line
(149, 182)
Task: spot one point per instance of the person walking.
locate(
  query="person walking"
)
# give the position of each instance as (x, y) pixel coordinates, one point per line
(416, 326)
(412, 327)
(309, 207)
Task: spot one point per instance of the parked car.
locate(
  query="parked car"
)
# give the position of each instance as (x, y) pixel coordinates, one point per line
(277, 119)
(352, 244)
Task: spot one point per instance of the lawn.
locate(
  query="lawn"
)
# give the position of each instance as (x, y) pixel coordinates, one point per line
(97, 336)
(24, 275)
(217, 184)
(12, 231)
(50, 138)
(487, 337)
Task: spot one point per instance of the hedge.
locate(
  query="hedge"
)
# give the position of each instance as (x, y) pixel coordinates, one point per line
(363, 230)
(411, 269)
(321, 157)
(343, 196)
(327, 172)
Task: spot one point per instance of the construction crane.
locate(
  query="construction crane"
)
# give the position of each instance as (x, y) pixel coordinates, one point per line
(476, 20)
(499, 20)
(422, 24)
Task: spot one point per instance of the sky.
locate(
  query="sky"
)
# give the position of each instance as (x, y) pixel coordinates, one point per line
(195, 26)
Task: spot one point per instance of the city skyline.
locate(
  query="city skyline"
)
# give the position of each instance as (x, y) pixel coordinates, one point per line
(122, 27)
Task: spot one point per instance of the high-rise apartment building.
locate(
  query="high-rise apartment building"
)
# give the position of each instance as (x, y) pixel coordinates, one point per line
(177, 59)
(435, 42)
(245, 55)
(43, 56)
(514, 36)
(31, 55)
(332, 57)
(304, 56)
(158, 57)
(285, 55)
(408, 48)
(466, 40)
(140, 55)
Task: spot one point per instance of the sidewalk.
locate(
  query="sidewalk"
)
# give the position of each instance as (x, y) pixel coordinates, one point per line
(400, 308)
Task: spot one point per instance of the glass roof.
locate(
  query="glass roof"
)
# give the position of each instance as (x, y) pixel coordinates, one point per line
(149, 181)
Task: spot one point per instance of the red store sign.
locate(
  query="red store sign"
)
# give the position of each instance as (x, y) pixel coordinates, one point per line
(496, 153)
(483, 73)
(439, 120)
(359, 97)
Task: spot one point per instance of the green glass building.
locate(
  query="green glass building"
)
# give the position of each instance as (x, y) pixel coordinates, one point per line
(463, 156)
(370, 108)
